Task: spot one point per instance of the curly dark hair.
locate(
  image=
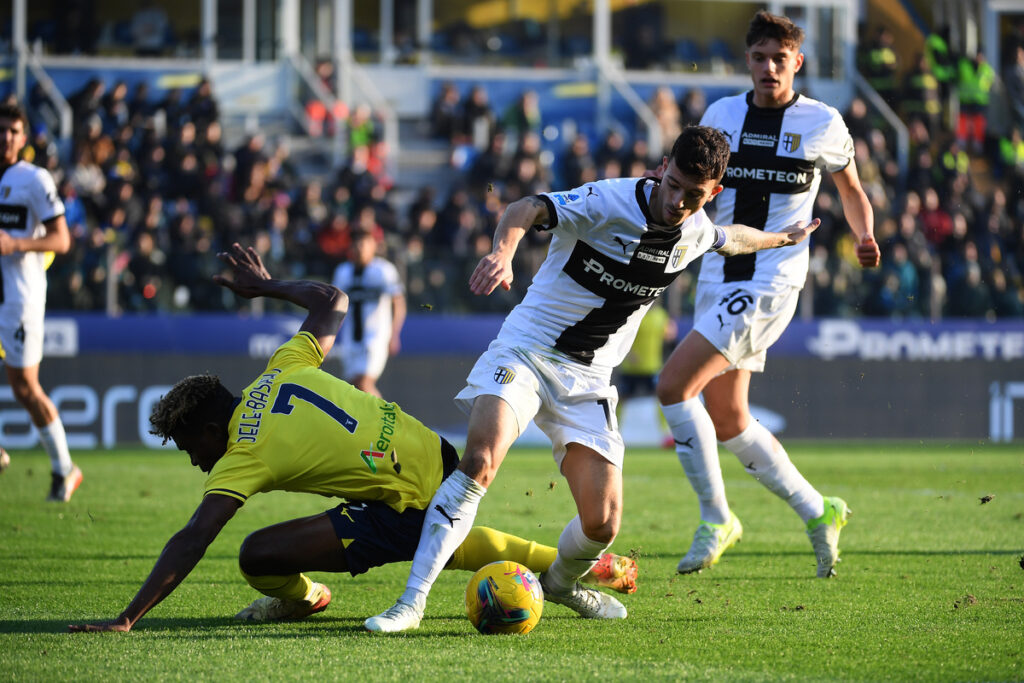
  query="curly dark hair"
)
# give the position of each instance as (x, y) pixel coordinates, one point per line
(189, 404)
(766, 26)
(701, 152)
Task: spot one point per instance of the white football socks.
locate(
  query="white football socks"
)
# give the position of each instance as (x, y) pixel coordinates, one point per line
(697, 448)
(55, 442)
(767, 461)
(577, 554)
(448, 520)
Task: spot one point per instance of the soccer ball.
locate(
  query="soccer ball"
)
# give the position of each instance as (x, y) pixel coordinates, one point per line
(504, 597)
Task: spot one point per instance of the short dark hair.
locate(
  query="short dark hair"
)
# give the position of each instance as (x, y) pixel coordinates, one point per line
(766, 26)
(701, 152)
(9, 110)
(190, 404)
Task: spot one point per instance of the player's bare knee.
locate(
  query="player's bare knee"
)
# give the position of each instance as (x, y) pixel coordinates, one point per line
(601, 530)
(480, 465)
(729, 420)
(671, 390)
(668, 390)
(253, 558)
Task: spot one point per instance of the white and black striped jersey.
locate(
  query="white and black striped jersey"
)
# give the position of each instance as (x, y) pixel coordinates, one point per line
(28, 198)
(370, 291)
(606, 264)
(772, 179)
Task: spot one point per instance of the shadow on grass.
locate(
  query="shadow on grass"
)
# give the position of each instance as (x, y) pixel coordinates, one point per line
(733, 552)
(79, 556)
(221, 627)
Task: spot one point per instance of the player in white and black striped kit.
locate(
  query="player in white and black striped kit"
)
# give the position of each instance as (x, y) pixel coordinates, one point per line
(615, 246)
(779, 142)
(376, 314)
(31, 224)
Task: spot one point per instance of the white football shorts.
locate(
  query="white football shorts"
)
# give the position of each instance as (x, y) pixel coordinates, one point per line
(742, 319)
(566, 401)
(21, 336)
(363, 359)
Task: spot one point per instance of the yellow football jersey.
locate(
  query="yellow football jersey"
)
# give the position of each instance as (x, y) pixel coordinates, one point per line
(298, 428)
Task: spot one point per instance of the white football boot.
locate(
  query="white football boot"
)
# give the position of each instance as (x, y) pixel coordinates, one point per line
(709, 542)
(587, 602)
(399, 617)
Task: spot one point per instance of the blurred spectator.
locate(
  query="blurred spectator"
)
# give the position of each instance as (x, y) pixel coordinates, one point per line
(880, 65)
(666, 110)
(936, 222)
(478, 120)
(578, 165)
(523, 116)
(692, 107)
(922, 96)
(975, 78)
(445, 114)
(202, 107)
(940, 59)
(612, 148)
(87, 102)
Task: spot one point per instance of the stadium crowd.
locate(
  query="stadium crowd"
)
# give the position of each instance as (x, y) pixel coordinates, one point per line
(152, 193)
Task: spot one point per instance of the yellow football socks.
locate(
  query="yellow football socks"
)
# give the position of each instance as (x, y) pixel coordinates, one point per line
(484, 545)
(294, 587)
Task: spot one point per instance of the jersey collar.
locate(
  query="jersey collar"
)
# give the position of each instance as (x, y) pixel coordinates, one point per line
(645, 207)
(770, 110)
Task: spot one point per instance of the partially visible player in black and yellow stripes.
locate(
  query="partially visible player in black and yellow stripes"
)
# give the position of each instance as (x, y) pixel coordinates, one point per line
(297, 428)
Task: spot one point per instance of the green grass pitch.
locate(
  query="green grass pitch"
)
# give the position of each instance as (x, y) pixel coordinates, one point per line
(931, 586)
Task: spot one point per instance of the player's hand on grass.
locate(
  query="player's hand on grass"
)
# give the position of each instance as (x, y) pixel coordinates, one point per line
(116, 625)
(247, 269)
(493, 270)
(868, 254)
(798, 232)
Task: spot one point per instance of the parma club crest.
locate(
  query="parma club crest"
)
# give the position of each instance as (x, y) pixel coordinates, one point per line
(504, 375)
(790, 141)
(677, 255)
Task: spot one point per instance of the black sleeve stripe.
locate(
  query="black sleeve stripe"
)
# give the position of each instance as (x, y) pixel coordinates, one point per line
(51, 218)
(316, 344)
(551, 212)
(229, 492)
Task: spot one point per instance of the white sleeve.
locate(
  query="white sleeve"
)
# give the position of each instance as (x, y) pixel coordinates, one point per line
(837, 151)
(392, 283)
(574, 210)
(45, 202)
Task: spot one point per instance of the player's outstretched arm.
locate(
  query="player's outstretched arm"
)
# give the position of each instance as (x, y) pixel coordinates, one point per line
(859, 214)
(327, 305)
(179, 557)
(496, 268)
(57, 239)
(741, 239)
